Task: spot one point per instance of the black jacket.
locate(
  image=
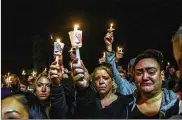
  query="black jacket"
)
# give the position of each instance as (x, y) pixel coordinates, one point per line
(88, 106)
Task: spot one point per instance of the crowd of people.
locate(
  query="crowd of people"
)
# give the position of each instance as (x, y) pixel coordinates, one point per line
(148, 89)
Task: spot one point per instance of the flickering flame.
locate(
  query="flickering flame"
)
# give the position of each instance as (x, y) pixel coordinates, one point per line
(111, 25)
(76, 26)
(58, 40)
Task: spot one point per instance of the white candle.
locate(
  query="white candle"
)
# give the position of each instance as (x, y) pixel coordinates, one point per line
(58, 47)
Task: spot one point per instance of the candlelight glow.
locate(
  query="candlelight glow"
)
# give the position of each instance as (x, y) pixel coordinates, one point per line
(168, 63)
(58, 40)
(111, 25)
(76, 26)
(34, 73)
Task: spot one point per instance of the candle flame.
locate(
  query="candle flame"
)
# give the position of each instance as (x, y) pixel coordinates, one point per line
(111, 25)
(34, 73)
(58, 40)
(76, 26)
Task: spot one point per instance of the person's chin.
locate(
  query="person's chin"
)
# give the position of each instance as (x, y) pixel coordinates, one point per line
(43, 98)
(147, 89)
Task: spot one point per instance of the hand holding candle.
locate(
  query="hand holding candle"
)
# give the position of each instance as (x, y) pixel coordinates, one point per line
(76, 40)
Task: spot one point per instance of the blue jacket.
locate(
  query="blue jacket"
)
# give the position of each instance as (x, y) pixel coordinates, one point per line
(169, 106)
(124, 86)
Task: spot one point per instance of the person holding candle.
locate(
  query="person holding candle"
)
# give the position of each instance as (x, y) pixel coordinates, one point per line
(124, 86)
(97, 99)
(48, 94)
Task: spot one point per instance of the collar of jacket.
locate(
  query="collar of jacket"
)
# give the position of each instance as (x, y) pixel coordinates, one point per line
(169, 99)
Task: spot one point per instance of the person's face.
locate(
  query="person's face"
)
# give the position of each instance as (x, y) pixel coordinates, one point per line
(103, 82)
(177, 46)
(42, 90)
(178, 74)
(12, 109)
(30, 80)
(171, 71)
(122, 75)
(147, 76)
(118, 55)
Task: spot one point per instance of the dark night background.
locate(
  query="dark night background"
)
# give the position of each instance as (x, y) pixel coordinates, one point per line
(140, 24)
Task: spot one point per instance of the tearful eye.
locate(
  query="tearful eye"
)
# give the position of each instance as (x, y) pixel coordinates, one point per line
(151, 72)
(138, 74)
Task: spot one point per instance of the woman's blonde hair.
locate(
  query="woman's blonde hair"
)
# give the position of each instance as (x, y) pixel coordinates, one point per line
(43, 74)
(46, 75)
(108, 68)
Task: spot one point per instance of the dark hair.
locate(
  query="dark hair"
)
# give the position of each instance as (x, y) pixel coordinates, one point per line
(151, 53)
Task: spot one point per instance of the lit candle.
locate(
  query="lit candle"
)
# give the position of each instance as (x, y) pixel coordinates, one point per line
(76, 26)
(168, 63)
(58, 40)
(34, 73)
(76, 40)
(58, 47)
(23, 72)
(111, 26)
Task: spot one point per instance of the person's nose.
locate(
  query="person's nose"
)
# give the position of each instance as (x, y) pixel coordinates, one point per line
(44, 88)
(145, 76)
(101, 81)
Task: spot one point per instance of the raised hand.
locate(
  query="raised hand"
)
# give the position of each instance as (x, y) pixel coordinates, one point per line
(80, 74)
(109, 39)
(55, 73)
